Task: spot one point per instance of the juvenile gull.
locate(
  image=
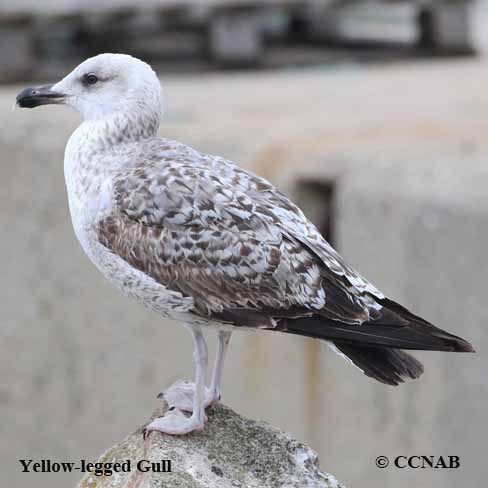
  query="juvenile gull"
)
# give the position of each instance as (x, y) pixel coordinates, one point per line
(200, 240)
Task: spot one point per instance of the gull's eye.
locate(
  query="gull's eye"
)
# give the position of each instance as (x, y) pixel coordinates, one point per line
(90, 79)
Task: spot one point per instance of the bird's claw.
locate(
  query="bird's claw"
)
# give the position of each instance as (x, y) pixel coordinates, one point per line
(174, 422)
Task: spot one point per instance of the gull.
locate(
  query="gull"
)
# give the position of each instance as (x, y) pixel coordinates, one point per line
(198, 239)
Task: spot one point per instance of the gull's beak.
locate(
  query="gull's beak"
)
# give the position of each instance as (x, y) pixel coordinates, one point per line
(38, 95)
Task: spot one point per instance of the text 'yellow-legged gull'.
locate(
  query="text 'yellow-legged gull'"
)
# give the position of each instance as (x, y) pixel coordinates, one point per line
(200, 240)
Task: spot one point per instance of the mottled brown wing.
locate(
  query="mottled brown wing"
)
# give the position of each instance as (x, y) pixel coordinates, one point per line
(227, 239)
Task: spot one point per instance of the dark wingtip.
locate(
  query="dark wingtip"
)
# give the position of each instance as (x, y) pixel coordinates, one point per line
(448, 342)
(457, 344)
(463, 346)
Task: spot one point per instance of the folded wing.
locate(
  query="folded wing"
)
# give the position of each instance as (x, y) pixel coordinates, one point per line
(248, 256)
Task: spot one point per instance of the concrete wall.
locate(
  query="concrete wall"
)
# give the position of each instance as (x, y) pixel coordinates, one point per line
(406, 146)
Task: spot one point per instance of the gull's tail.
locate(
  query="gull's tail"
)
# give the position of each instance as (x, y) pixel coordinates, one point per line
(384, 364)
(374, 346)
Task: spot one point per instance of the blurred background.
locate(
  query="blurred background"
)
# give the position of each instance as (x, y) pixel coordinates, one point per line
(373, 116)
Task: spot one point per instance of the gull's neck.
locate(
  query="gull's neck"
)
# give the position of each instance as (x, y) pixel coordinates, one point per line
(119, 128)
(94, 150)
(102, 135)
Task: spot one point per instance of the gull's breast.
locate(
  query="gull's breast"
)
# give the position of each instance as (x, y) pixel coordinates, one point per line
(90, 199)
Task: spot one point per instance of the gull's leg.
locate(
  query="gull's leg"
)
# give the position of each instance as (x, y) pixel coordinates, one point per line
(174, 421)
(181, 394)
(216, 384)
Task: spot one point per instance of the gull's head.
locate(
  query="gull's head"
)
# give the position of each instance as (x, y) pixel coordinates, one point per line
(101, 87)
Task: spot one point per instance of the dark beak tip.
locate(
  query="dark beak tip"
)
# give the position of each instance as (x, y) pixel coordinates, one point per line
(34, 96)
(25, 98)
(20, 96)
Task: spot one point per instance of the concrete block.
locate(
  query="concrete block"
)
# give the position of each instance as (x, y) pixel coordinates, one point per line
(81, 364)
(446, 26)
(234, 36)
(16, 48)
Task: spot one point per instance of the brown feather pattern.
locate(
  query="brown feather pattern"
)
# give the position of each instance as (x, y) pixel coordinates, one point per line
(230, 240)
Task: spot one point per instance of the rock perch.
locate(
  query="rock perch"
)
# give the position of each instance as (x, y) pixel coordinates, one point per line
(231, 452)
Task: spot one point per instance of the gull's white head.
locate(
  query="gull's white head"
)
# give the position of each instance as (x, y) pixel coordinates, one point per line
(102, 87)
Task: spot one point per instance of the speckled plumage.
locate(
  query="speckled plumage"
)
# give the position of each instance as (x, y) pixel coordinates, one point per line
(198, 239)
(219, 237)
(228, 239)
(183, 231)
